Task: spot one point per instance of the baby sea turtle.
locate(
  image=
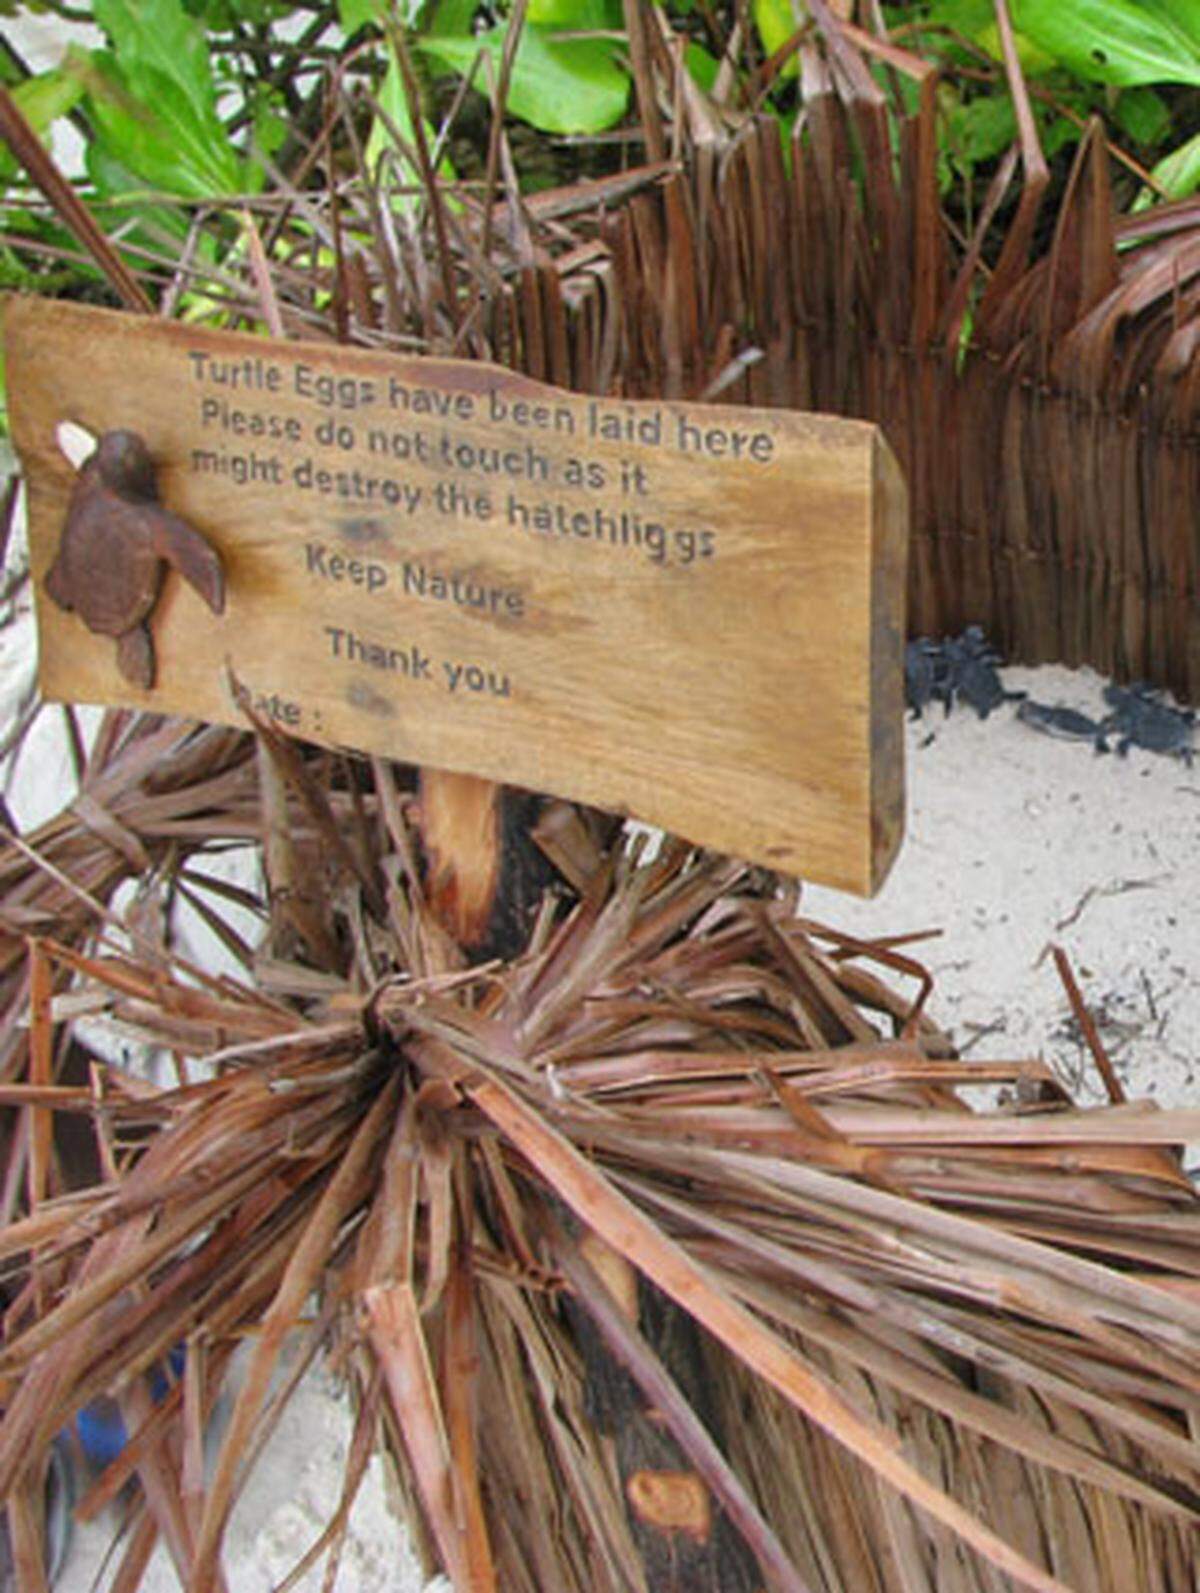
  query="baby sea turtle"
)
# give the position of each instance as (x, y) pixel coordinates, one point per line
(1065, 724)
(1142, 717)
(958, 669)
(116, 545)
(972, 661)
(925, 676)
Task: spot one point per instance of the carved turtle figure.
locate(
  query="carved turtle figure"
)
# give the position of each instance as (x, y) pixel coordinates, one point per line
(116, 546)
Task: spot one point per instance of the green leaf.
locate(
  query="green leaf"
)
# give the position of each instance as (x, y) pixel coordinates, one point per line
(393, 103)
(1182, 14)
(1178, 173)
(355, 14)
(271, 121)
(223, 16)
(1034, 61)
(1143, 114)
(138, 219)
(968, 17)
(1110, 41)
(451, 17)
(702, 67)
(576, 16)
(983, 128)
(776, 21)
(1057, 132)
(42, 100)
(567, 86)
(162, 146)
(160, 108)
(976, 20)
(159, 45)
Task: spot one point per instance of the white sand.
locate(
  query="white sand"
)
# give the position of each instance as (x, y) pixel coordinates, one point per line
(1016, 841)
(287, 1503)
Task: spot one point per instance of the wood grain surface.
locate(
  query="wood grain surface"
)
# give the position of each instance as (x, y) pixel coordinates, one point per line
(690, 613)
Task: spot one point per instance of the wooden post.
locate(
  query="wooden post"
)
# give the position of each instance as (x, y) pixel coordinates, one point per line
(486, 877)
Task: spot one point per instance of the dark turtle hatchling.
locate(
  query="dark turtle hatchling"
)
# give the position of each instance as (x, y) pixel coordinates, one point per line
(926, 678)
(971, 668)
(116, 545)
(1141, 717)
(1065, 724)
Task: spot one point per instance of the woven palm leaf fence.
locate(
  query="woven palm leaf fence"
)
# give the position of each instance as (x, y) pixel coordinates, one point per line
(1046, 410)
(933, 1337)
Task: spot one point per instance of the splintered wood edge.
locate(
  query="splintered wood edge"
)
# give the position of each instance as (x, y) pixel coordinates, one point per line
(889, 570)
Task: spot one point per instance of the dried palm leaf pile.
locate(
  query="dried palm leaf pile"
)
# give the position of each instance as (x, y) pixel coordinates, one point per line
(935, 1342)
(680, 1151)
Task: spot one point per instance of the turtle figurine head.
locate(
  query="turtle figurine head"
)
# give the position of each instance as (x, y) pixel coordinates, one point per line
(117, 544)
(123, 463)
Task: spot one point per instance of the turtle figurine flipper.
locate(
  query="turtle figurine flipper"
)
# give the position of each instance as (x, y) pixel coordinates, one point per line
(135, 655)
(116, 545)
(185, 550)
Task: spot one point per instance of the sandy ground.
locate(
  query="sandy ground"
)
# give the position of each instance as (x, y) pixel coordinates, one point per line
(1016, 842)
(287, 1503)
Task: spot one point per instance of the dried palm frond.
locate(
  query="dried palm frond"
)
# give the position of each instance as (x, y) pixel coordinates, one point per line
(677, 1072)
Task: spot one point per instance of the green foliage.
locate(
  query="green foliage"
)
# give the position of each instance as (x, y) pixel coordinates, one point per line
(702, 67)
(175, 107)
(1097, 41)
(1111, 41)
(154, 100)
(1143, 115)
(42, 100)
(576, 15)
(184, 95)
(569, 86)
(1111, 56)
(356, 14)
(776, 21)
(979, 129)
(1177, 174)
(221, 16)
(150, 102)
(557, 85)
(395, 120)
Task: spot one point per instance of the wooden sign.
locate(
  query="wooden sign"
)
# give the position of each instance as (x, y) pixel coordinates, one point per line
(690, 613)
